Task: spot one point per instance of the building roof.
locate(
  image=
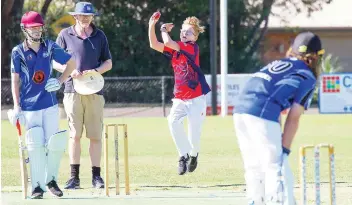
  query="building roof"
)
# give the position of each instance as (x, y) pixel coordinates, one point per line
(337, 15)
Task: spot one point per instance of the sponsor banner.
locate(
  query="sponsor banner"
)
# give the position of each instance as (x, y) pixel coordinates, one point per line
(235, 83)
(335, 93)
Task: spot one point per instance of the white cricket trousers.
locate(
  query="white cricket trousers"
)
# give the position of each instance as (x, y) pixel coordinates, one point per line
(48, 119)
(195, 111)
(260, 143)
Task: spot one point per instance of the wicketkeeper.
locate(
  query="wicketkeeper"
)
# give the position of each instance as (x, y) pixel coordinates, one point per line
(35, 103)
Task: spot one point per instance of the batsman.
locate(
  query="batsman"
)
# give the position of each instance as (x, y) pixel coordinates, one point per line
(35, 103)
(286, 83)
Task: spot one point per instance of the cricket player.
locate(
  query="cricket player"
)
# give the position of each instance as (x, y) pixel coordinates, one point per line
(35, 103)
(287, 83)
(189, 90)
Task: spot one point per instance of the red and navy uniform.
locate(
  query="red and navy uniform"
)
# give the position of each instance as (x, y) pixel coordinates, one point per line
(189, 79)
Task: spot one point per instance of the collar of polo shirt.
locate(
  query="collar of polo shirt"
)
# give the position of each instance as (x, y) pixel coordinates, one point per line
(26, 46)
(71, 31)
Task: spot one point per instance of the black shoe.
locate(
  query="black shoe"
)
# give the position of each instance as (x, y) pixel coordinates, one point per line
(54, 188)
(182, 165)
(72, 183)
(98, 182)
(193, 162)
(37, 193)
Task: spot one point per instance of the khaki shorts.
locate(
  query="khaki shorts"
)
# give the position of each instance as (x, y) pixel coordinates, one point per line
(87, 110)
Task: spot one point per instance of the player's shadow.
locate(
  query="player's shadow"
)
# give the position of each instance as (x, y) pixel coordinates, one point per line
(190, 187)
(222, 185)
(166, 186)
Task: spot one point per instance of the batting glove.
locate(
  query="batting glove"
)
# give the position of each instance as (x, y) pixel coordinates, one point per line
(16, 114)
(52, 85)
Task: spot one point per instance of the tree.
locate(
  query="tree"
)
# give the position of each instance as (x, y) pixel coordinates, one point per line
(126, 26)
(11, 13)
(331, 64)
(125, 23)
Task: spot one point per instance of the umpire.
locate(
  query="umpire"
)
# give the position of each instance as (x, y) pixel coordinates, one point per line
(90, 48)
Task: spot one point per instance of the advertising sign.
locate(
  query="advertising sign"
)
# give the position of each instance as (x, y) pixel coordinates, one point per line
(335, 93)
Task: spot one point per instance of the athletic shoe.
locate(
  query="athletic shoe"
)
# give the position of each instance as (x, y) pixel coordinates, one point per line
(54, 188)
(37, 193)
(182, 165)
(72, 183)
(97, 182)
(192, 164)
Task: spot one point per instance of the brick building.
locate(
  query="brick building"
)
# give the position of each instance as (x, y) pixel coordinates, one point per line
(333, 24)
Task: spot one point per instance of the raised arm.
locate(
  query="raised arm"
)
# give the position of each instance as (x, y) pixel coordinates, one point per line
(153, 41)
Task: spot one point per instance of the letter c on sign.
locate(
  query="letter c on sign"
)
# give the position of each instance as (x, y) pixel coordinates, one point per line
(347, 81)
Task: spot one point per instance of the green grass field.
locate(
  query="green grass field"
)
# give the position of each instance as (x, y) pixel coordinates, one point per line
(153, 157)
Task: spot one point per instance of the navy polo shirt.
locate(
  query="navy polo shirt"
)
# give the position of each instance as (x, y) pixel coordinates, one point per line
(88, 53)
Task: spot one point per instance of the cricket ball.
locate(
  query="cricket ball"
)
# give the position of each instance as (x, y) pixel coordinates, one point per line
(157, 15)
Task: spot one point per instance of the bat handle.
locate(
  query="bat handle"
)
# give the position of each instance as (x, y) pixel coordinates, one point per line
(18, 127)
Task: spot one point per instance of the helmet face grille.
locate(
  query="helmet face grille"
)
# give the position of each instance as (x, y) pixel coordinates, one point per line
(31, 38)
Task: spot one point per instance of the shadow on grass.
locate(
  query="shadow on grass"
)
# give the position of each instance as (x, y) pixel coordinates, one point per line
(165, 186)
(190, 187)
(222, 185)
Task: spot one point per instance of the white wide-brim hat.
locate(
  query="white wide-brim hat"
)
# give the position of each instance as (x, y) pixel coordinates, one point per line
(89, 83)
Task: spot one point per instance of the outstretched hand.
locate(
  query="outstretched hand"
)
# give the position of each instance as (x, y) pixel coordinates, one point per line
(168, 26)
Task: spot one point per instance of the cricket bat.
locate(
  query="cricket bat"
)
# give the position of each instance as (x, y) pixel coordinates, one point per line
(24, 173)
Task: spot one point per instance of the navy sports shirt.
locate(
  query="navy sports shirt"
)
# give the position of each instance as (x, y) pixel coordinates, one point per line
(275, 88)
(189, 79)
(34, 70)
